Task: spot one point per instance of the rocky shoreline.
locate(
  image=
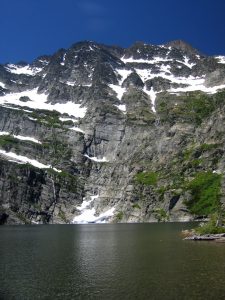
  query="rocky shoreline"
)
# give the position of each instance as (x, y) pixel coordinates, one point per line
(220, 237)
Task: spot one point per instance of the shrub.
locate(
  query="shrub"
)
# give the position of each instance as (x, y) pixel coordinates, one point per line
(161, 215)
(119, 216)
(205, 190)
(211, 226)
(136, 205)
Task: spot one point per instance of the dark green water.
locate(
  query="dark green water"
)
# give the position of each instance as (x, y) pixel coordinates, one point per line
(121, 261)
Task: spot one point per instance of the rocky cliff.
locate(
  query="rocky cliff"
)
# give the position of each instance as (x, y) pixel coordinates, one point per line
(96, 133)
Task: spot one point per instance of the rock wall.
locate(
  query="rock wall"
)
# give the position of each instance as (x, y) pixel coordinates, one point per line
(104, 134)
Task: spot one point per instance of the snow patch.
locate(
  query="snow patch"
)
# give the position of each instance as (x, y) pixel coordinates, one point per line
(70, 83)
(38, 101)
(76, 129)
(67, 119)
(4, 133)
(44, 62)
(32, 119)
(145, 74)
(124, 74)
(121, 107)
(88, 214)
(154, 60)
(165, 68)
(15, 108)
(26, 138)
(94, 158)
(118, 89)
(152, 95)
(221, 59)
(63, 60)
(27, 70)
(2, 85)
(187, 63)
(25, 159)
(199, 87)
(21, 137)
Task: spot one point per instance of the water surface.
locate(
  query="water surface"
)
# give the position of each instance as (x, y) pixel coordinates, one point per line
(108, 261)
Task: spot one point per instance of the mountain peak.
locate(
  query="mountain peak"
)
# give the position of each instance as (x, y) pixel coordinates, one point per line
(183, 46)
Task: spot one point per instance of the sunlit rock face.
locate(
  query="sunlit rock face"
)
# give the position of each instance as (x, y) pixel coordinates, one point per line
(97, 134)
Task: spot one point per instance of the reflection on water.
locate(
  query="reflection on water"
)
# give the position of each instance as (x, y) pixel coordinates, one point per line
(110, 261)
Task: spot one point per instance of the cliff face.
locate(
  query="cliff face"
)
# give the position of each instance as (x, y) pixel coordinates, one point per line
(104, 134)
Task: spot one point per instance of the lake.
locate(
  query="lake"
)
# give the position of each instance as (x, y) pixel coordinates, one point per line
(108, 261)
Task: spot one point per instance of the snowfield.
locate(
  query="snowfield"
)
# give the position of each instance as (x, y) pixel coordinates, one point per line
(39, 101)
(26, 70)
(88, 213)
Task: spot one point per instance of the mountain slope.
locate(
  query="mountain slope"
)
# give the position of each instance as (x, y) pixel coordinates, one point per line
(96, 133)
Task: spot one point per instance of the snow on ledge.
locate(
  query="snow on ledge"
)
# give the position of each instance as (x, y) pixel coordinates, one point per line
(64, 119)
(154, 60)
(24, 159)
(76, 129)
(96, 159)
(20, 137)
(200, 87)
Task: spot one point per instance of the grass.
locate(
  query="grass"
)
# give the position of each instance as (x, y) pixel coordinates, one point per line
(205, 190)
(136, 205)
(147, 178)
(208, 147)
(193, 107)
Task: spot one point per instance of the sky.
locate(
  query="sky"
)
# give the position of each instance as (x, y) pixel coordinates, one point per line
(30, 28)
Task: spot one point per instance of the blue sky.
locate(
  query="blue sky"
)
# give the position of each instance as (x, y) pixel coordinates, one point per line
(29, 28)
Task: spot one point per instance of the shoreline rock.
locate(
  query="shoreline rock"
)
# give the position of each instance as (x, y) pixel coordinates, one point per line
(220, 237)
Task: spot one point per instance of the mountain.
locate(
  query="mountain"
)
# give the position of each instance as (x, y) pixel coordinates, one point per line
(98, 133)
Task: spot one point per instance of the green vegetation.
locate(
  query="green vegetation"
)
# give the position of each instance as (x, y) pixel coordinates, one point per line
(205, 190)
(70, 181)
(208, 147)
(197, 107)
(161, 215)
(142, 116)
(59, 150)
(136, 205)
(22, 218)
(187, 153)
(212, 226)
(119, 216)
(7, 140)
(191, 107)
(62, 216)
(147, 178)
(49, 118)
